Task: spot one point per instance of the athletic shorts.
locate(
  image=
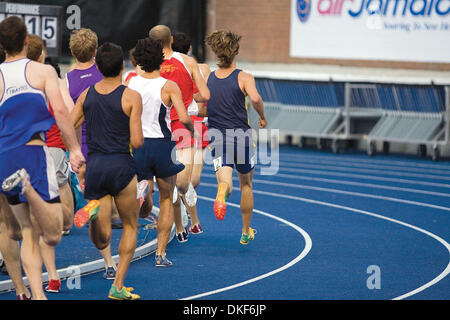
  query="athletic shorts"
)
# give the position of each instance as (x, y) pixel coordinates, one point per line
(38, 163)
(108, 174)
(183, 137)
(233, 151)
(157, 158)
(61, 165)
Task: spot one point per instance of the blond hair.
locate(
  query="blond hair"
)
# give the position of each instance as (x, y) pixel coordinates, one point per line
(225, 45)
(83, 44)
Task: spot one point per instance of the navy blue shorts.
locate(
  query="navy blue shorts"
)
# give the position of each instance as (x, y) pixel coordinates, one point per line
(233, 151)
(156, 158)
(38, 163)
(108, 174)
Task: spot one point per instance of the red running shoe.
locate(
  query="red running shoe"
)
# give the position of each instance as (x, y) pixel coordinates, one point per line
(53, 286)
(23, 297)
(195, 229)
(220, 205)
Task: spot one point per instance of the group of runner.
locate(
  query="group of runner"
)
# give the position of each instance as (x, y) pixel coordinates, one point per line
(95, 142)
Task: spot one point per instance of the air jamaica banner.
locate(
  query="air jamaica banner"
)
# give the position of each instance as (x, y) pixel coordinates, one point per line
(389, 30)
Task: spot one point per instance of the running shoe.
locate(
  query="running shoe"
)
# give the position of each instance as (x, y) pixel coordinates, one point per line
(142, 191)
(110, 273)
(23, 297)
(162, 262)
(124, 294)
(175, 195)
(53, 286)
(191, 196)
(16, 181)
(195, 229)
(220, 205)
(88, 213)
(184, 215)
(182, 237)
(246, 238)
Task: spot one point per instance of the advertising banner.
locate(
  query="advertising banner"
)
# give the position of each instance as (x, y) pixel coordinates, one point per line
(388, 30)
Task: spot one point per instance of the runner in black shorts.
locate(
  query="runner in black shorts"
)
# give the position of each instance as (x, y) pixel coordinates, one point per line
(113, 121)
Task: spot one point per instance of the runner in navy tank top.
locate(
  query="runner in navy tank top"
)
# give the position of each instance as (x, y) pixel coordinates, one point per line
(113, 121)
(229, 128)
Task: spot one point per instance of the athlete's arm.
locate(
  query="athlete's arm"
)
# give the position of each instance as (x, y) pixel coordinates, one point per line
(173, 92)
(249, 88)
(62, 117)
(203, 91)
(133, 108)
(66, 95)
(77, 114)
(205, 71)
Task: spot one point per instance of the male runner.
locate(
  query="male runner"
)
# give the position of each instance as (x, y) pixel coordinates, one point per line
(27, 171)
(184, 71)
(83, 46)
(227, 115)
(154, 159)
(57, 149)
(113, 122)
(182, 43)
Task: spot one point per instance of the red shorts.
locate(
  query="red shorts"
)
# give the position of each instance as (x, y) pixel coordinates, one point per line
(183, 137)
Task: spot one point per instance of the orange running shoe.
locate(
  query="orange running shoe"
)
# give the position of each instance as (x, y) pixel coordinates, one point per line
(220, 205)
(89, 212)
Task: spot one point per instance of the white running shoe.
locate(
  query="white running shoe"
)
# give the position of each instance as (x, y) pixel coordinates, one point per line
(175, 194)
(142, 191)
(17, 181)
(191, 196)
(184, 215)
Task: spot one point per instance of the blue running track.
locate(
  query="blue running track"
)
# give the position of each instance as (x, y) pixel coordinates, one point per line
(324, 222)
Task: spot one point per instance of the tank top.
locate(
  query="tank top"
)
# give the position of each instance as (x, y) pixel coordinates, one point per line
(174, 69)
(78, 81)
(23, 109)
(227, 106)
(108, 127)
(155, 114)
(54, 139)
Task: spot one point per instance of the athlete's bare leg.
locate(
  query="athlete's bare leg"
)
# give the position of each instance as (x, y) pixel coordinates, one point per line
(195, 180)
(245, 181)
(9, 247)
(65, 194)
(186, 157)
(128, 207)
(165, 218)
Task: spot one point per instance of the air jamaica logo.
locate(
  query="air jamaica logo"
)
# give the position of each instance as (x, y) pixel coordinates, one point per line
(303, 9)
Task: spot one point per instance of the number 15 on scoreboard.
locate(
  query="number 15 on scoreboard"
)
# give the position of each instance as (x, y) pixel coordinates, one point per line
(45, 27)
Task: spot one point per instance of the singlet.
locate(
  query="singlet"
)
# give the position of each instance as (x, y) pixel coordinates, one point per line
(78, 81)
(54, 139)
(23, 109)
(227, 106)
(174, 69)
(155, 114)
(108, 127)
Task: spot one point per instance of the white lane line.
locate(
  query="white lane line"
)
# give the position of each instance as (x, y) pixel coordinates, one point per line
(356, 194)
(359, 176)
(360, 159)
(441, 276)
(308, 246)
(383, 172)
(348, 164)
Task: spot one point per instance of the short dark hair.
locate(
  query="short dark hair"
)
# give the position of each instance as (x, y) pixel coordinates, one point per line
(181, 42)
(12, 35)
(109, 59)
(2, 54)
(148, 54)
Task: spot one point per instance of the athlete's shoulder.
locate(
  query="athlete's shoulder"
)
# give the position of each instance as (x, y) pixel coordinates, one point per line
(132, 94)
(245, 76)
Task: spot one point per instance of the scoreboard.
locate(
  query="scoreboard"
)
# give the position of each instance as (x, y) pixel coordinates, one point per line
(42, 20)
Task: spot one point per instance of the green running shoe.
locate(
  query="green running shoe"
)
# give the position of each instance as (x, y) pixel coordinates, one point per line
(124, 294)
(246, 238)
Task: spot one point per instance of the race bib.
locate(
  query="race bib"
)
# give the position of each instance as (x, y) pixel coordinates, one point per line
(218, 163)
